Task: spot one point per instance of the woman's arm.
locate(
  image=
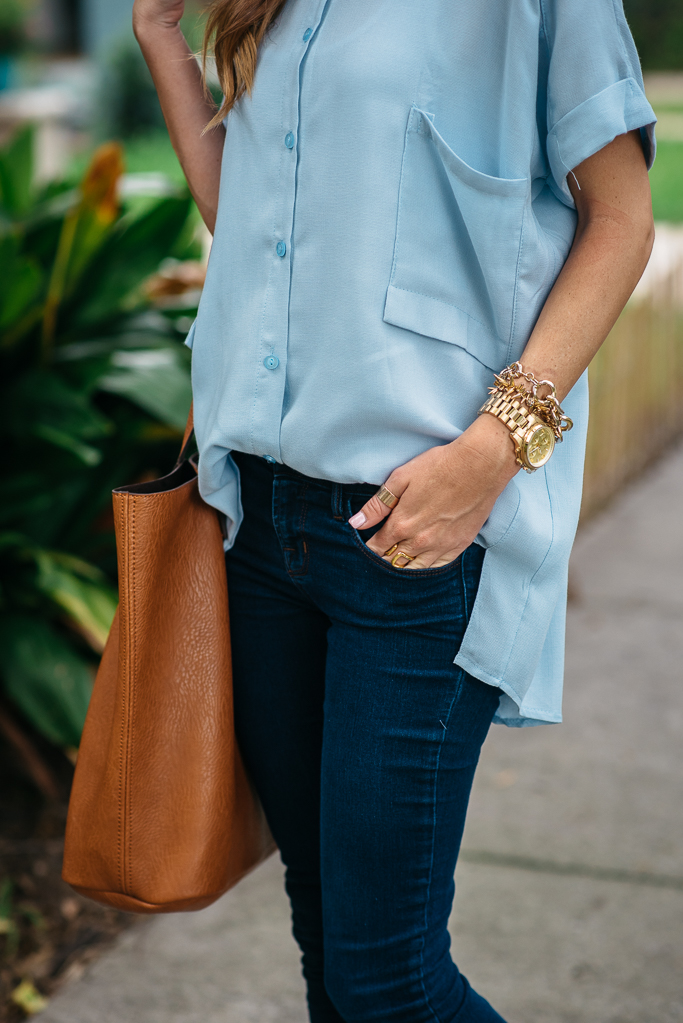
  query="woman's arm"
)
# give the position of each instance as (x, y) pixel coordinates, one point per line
(187, 110)
(611, 248)
(447, 493)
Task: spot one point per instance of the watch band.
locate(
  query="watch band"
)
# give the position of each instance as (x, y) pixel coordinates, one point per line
(514, 414)
(510, 410)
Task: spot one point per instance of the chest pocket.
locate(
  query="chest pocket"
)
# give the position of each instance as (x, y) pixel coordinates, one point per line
(456, 254)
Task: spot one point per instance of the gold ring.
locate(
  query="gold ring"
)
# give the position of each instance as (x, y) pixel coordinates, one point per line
(391, 550)
(402, 554)
(386, 497)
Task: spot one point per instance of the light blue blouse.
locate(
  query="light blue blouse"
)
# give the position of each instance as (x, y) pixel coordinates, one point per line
(393, 213)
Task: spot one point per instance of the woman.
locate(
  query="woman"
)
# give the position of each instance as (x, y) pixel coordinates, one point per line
(412, 197)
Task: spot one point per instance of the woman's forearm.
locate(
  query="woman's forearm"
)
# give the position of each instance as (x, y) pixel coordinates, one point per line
(610, 251)
(186, 109)
(611, 248)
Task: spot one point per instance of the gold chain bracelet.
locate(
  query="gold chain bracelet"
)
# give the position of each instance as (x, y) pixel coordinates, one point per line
(546, 408)
(535, 422)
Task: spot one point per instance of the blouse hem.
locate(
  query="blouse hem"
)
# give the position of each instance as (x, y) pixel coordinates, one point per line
(531, 716)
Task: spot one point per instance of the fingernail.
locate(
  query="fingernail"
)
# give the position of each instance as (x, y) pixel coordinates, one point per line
(357, 520)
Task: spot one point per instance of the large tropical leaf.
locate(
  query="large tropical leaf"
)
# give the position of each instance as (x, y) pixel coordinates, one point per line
(81, 591)
(16, 174)
(45, 677)
(94, 390)
(45, 406)
(111, 284)
(84, 230)
(21, 281)
(156, 379)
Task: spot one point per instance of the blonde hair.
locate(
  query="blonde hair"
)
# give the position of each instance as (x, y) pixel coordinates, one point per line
(234, 31)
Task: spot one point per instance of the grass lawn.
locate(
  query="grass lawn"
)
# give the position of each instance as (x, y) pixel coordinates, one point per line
(666, 178)
(153, 152)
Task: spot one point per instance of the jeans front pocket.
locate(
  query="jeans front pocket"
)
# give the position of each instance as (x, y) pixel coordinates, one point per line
(458, 239)
(353, 506)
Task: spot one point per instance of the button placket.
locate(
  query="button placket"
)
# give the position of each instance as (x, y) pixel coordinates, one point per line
(267, 411)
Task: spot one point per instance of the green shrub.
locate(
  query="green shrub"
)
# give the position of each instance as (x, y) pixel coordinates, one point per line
(657, 27)
(13, 15)
(666, 179)
(94, 388)
(127, 104)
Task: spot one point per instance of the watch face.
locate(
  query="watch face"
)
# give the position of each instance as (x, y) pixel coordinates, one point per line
(539, 446)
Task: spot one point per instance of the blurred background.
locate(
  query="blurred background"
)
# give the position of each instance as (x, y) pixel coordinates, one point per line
(102, 257)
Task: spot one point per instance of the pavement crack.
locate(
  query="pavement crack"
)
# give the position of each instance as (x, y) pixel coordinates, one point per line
(634, 877)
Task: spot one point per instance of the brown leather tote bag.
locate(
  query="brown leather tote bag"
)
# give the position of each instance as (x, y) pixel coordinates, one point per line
(162, 816)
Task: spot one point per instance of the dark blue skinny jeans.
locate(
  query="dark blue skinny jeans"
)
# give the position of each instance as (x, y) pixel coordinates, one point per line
(362, 737)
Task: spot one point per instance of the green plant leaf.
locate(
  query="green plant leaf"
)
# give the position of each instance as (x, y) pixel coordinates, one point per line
(28, 998)
(8, 927)
(16, 173)
(87, 454)
(33, 915)
(43, 404)
(24, 284)
(11, 541)
(110, 285)
(45, 677)
(157, 380)
(90, 235)
(77, 566)
(111, 387)
(81, 591)
(23, 494)
(20, 282)
(6, 888)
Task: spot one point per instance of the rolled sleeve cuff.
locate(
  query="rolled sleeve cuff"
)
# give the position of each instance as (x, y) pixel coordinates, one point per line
(586, 129)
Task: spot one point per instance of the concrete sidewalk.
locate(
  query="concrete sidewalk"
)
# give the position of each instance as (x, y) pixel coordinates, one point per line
(570, 887)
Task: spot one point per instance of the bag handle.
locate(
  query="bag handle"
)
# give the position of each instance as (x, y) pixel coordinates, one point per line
(187, 437)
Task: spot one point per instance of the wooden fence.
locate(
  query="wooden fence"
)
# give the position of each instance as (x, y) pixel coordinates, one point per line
(636, 392)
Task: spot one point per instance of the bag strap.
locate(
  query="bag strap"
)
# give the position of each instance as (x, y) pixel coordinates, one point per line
(187, 438)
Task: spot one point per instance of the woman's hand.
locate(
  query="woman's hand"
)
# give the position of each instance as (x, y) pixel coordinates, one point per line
(445, 496)
(164, 13)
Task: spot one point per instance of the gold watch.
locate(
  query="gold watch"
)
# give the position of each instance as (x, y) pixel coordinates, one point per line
(533, 439)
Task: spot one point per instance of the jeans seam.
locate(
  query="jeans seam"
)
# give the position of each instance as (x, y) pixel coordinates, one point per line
(276, 518)
(338, 503)
(302, 523)
(464, 587)
(303, 570)
(431, 864)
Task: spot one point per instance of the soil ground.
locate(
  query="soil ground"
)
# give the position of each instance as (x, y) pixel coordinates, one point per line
(48, 933)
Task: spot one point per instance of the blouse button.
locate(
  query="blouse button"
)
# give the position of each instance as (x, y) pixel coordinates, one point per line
(271, 362)
(307, 34)
(281, 249)
(289, 140)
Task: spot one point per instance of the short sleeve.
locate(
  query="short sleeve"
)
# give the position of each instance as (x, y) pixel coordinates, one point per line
(594, 88)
